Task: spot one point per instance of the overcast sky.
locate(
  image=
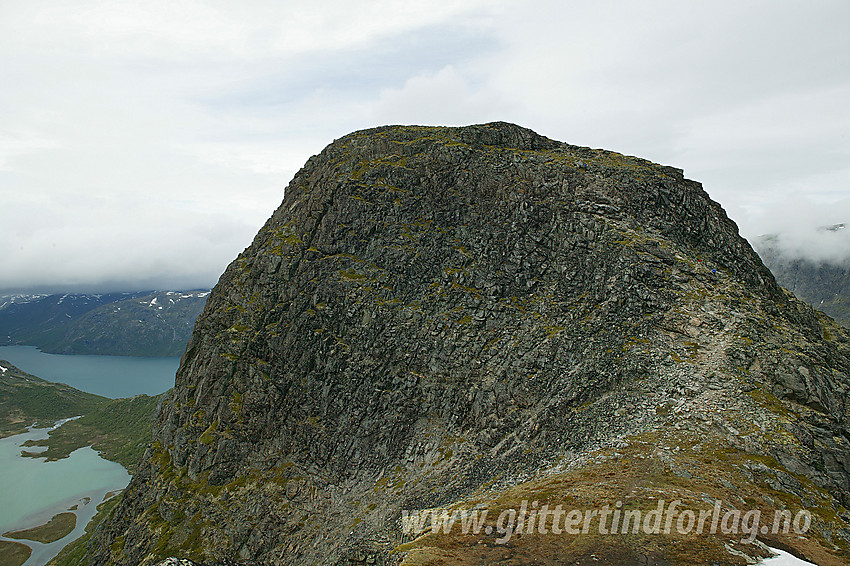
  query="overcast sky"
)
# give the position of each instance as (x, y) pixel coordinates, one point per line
(143, 144)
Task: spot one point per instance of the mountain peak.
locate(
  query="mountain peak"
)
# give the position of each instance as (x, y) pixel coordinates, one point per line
(494, 134)
(458, 319)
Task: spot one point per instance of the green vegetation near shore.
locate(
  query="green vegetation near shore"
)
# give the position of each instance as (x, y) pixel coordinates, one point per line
(13, 553)
(120, 431)
(75, 553)
(117, 428)
(26, 399)
(58, 527)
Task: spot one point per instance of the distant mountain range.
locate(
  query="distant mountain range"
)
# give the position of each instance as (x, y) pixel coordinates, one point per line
(148, 323)
(824, 285)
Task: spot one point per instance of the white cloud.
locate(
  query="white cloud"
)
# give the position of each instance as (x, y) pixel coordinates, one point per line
(14, 144)
(185, 30)
(141, 129)
(801, 227)
(441, 98)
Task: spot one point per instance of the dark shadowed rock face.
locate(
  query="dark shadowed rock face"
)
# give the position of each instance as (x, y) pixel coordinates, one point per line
(440, 317)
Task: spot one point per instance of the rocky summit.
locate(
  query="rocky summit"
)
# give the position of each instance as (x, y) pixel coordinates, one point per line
(479, 345)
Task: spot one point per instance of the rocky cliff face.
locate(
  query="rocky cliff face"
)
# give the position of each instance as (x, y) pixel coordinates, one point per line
(466, 318)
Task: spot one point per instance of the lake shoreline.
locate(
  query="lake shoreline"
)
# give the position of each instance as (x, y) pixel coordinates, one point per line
(113, 377)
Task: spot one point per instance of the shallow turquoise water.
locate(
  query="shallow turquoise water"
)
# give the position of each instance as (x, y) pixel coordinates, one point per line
(110, 376)
(34, 490)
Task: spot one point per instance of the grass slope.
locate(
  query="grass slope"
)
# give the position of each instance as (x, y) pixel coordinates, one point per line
(13, 553)
(120, 431)
(117, 428)
(26, 399)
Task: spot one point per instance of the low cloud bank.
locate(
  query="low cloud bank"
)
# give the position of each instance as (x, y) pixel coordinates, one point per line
(803, 229)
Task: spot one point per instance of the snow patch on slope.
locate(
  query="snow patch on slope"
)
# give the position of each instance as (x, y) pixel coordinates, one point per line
(783, 558)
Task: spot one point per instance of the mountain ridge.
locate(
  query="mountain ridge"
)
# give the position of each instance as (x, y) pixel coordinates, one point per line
(479, 316)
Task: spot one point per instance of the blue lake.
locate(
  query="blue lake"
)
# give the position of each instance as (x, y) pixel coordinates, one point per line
(110, 376)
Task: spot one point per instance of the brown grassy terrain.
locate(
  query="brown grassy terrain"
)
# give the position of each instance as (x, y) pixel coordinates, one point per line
(75, 553)
(13, 553)
(695, 470)
(56, 528)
